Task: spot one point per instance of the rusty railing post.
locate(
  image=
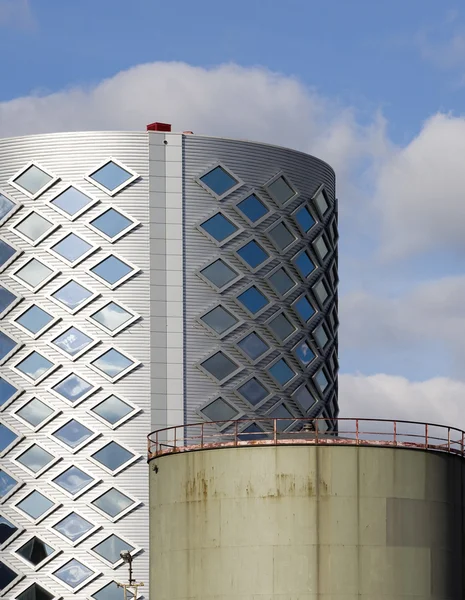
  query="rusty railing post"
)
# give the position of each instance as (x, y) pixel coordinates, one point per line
(395, 433)
(426, 435)
(356, 432)
(275, 429)
(448, 440)
(462, 442)
(201, 435)
(235, 432)
(175, 437)
(156, 443)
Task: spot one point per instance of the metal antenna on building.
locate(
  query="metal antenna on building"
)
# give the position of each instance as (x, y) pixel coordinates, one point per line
(132, 586)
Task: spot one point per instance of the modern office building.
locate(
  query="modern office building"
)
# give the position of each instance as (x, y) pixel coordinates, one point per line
(148, 279)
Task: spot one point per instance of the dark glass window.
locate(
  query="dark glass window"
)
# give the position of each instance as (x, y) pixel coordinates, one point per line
(304, 308)
(35, 551)
(219, 181)
(253, 300)
(220, 366)
(219, 410)
(219, 273)
(111, 176)
(253, 254)
(285, 418)
(253, 391)
(253, 432)
(281, 372)
(219, 319)
(281, 236)
(304, 264)
(7, 529)
(7, 576)
(304, 398)
(281, 282)
(253, 346)
(219, 227)
(281, 191)
(304, 219)
(281, 327)
(253, 208)
(35, 592)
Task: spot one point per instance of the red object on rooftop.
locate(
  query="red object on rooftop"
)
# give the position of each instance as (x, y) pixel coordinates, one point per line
(159, 127)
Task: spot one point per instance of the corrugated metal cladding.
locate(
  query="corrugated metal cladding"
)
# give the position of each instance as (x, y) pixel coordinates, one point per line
(71, 156)
(255, 164)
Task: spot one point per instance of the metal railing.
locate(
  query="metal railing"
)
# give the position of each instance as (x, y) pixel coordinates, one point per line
(268, 431)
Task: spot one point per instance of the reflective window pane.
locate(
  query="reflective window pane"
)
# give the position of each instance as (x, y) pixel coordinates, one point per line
(282, 372)
(253, 254)
(281, 236)
(111, 176)
(111, 548)
(7, 344)
(73, 433)
(7, 483)
(112, 269)
(7, 390)
(219, 410)
(6, 298)
(321, 381)
(220, 366)
(280, 190)
(112, 409)
(71, 248)
(112, 363)
(218, 180)
(34, 365)
(7, 576)
(73, 480)
(34, 319)
(321, 247)
(113, 502)
(35, 592)
(34, 273)
(321, 292)
(304, 398)
(304, 353)
(281, 282)
(7, 437)
(281, 327)
(7, 529)
(35, 412)
(35, 551)
(253, 300)
(219, 227)
(112, 592)
(253, 432)
(112, 456)
(253, 346)
(35, 458)
(35, 504)
(73, 527)
(219, 319)
(112, 316)
(73, 387)
(72, 201)
(33, 179)
(304, 309)
(72, 294)
(73, 573)
(284, 417)
(6, 252)
(72, 341)
(304, 264)
(253, 208)
(253, 391)
(111, 223)
(34, 226)
(321, 203)
(304, 219)
(321, 336)
(6, 206)
(219, 273)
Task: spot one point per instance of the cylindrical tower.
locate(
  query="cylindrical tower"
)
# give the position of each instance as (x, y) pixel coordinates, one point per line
(362, 516)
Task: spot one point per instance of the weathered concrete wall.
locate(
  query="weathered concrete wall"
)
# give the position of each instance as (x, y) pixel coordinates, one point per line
(307, 523)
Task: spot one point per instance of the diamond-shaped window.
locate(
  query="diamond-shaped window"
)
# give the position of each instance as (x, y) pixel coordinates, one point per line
(281, 327)
(253, 391)
(73, 343)
(33, 180)
(74, 435)
(113, 504)
(284, 417)
(35, 592)
(321, 380)
(114, 411)
(8, 346)
(72, 249)
(220, 321)
(219, 182)
(281, 281)
(34, 274)
(321, 202)
(8, 439)
(304, 264)
(74, 574)
(304, 218)
(35, 320)
(8, 531)
(281, 236)
(321, 247)
(8, 392)
(36, 506)
(113, 457)
(321, 336)
(73, 389)
(253, 255)
(253, 209)
(321, 291)
(72, 202)
(111, 591)
(112, 176)
(74, 528)
(219, 228)
(219, 366)
(72, 296)
(35, 413)
(281, 372)
(112, 224)
(35, 366)
(304, 398)
(110, 549)
(8, 485)
(219, 274)
(254, 431)
(113, 271)
(8, 577)
(304, 353)
(74, 482)
(304, 308)
(7, 208)
(33, 228)
(113, 318)
(113, 364)
(253, 346)
(36, 552)
(8, 254)
(281, 190)
(219, 410)
(8, 300)
(253, 300)
(36, 460)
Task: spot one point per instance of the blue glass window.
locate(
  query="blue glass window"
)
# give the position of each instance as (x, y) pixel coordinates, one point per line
(113, 456)
(6, 298)
(110, 548)
(73, 573)
(35, 412)
(6, 252)
(34, 319)
(35, 504)
(281, 372)
(253, 391)
(34, 365)
(113, 502)
(219, 319)
(304, 219)
(253, 254)
(111, 223)
(112, 592)
(321, 380)
(253, 346)
(304, 264)
(253, 300)
(72, 294)
(281, 327)
(281, 191)
(112, 316)
(7, 483)
(220, 366)
(112, 409)
(304, 353)
(304, 398)
(112, 363)
(33, 179)
(7, 344)
(35, 458)
(219, 273)
(7, 576)
(71, 248)
(72, 342)
(73, 527)
(253, 208)
(72, 201)
(73, 387)
(219, 227)
(111, 176)
(112, 269)
(7, 437)
(73, 433)
(6, 206)
(281, 282)
(304, 309)
(218, 181)
(7, 529)
(219, 410)
(73, 480)
(7, 390)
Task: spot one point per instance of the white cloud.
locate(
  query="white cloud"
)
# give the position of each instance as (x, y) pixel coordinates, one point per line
(16, 13)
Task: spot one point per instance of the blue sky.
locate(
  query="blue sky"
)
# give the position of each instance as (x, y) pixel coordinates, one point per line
(375, 88)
